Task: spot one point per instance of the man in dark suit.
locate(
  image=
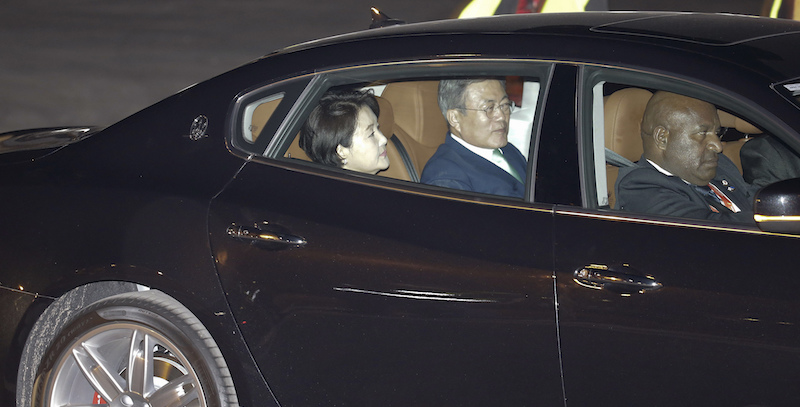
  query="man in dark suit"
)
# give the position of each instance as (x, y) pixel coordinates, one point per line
(682, 172)
(766, 159)
(476, 155)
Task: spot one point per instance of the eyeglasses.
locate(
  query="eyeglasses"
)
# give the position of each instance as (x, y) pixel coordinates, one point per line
(492, 109)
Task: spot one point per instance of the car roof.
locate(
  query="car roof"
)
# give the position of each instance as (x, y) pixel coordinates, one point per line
(725, 37)
(702, 28)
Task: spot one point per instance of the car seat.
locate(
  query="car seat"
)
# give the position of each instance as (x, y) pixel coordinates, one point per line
(418, 122)
(623, 112)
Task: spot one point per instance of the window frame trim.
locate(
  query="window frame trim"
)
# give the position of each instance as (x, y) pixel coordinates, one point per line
(322, 80)
(722, 98)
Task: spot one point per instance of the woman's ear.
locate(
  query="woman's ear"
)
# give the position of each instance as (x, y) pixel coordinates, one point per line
(342, 152)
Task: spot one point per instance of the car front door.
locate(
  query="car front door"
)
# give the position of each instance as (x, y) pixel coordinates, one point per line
(722, 328)
(671, 311)
(359, 290)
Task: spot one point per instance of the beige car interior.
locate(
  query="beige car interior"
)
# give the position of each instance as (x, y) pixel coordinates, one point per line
(623, 111)
(410, 118)
(413, 124)
(386, 124)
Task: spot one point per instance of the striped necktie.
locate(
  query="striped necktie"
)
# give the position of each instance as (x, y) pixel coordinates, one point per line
(711, 191)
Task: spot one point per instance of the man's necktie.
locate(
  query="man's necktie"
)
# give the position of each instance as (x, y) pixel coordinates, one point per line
(714, 193)
(500, 159)
(723, 199)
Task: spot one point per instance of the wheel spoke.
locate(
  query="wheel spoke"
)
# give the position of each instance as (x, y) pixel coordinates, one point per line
(140, 363)
(98, 372)
(175, 393)
(127, 351)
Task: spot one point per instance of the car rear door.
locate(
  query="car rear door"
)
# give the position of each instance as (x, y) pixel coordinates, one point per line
(353, 289)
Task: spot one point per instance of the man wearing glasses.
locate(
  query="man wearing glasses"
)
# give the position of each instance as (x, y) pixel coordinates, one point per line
(476, 155)
(682, 172)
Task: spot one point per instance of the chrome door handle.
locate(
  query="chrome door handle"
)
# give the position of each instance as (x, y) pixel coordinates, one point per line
(266, 234)
(620, 278)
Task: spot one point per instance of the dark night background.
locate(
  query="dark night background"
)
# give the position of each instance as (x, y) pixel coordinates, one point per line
(94, 62)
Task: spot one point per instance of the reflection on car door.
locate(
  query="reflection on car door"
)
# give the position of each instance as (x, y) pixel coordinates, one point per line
(396, 298)
(723, 328)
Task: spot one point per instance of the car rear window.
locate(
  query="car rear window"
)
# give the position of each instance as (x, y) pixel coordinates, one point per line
(257, 114)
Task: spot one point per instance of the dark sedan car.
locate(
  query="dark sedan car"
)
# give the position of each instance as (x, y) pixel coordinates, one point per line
(192, 254)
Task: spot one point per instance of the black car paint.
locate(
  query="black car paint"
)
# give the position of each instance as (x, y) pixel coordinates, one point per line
(366, 263)
(141, 199)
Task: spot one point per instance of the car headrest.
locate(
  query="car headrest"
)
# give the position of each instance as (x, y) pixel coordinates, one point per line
(728, 120)
(416, 110)
(624, 110)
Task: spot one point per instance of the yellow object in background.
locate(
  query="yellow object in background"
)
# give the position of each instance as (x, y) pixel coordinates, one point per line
(776, 5)
(479, 8)
(564, 6)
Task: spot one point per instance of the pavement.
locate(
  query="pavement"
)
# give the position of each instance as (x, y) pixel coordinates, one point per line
(95, 62)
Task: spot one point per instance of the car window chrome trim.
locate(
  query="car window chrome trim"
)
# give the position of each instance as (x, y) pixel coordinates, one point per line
(398, 70)
(535, 148)
(376, 181)
(235, 113)
(292, 117)
(620, 216)
(386, 70)
(585, 140)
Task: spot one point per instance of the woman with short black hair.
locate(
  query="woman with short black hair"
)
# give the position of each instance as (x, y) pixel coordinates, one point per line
(342, 131)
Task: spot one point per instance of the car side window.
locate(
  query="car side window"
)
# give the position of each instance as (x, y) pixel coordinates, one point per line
(764, 158)
(412, 122)
(259, 113)
(661, 152)
(256, 115)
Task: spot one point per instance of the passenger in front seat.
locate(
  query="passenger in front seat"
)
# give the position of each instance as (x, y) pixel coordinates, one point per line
(766, 159)
(342, 131)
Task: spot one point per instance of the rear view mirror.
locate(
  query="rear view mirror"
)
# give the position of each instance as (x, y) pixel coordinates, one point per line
(777, 207)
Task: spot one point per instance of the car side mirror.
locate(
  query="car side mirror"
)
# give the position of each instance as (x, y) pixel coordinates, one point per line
(777, 207)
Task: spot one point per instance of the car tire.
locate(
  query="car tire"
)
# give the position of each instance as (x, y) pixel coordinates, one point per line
(134, 349)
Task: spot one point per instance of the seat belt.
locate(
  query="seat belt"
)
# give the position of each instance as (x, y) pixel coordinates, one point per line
(412, 172)
(617, 160)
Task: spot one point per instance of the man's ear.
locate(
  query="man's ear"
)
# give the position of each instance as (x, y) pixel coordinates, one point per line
(454, 117)
(660, 137)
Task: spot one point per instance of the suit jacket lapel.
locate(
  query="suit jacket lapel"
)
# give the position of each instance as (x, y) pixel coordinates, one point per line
(480, 163)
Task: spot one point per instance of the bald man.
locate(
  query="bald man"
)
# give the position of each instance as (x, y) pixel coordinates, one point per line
(682, 172)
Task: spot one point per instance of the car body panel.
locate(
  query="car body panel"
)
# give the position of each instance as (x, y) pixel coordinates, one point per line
(376, 301)
(720, 305)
